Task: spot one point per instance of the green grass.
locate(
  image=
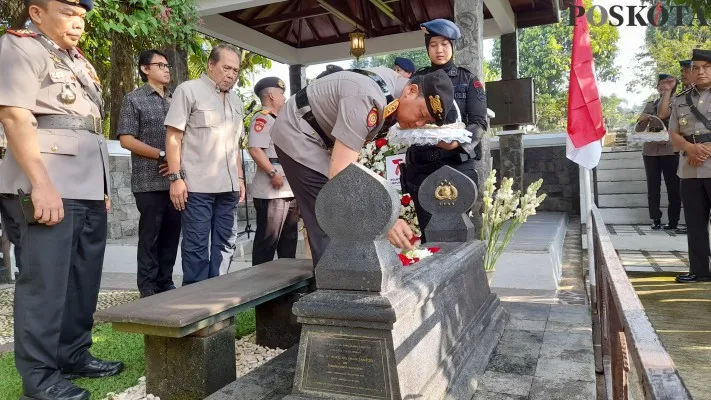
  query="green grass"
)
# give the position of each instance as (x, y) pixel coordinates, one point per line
(108, 345)
(246, 323)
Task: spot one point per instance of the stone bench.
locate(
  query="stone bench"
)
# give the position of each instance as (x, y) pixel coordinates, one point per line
(190, 333)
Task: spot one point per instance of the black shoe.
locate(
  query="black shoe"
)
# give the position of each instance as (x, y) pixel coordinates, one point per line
(670, 226)
(94, 369)
(691, 278)
(62, 390)
(147, 293)
(166, 288)
(680, 231)
(656, 224)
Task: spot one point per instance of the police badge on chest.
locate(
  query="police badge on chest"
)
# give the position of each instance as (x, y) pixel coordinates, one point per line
(67, 95)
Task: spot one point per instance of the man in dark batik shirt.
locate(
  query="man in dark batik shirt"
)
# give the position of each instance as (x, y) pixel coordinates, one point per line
(142, 131)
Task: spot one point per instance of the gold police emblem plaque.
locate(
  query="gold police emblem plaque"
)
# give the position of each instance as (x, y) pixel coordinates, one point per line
(446, 193)
(436, 105)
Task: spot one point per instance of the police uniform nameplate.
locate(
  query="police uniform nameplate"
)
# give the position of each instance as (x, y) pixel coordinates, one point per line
(346, 364)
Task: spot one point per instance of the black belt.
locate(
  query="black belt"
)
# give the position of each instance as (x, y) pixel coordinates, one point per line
(302, 102)
(700, 138)
(422, 156)
(274, 161)
(71, 122)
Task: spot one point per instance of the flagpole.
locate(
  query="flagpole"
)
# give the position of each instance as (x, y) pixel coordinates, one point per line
(587, 194)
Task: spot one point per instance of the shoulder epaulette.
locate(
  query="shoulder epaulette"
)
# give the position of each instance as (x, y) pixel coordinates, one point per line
(264, 112)
(462, 68)
(683, 92)
(22, 32)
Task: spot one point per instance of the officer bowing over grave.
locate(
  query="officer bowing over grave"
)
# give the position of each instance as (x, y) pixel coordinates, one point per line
(322, 130)
(277, 214)
(50, 106)
(690, 131)
(423, 160)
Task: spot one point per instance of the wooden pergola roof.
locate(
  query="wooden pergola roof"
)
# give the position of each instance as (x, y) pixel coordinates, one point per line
(310, 24)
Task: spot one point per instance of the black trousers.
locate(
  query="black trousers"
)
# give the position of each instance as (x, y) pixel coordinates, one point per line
(306, 184)
(158, 238)
(8, 216)
(412, 176)
(696, 194)
(277, 229)
(57, 291)
(655, 167)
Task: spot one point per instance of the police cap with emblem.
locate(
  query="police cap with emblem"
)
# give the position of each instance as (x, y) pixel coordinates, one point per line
(87, 4)
(701, 55)
(685, 63)
(439, 94)
(405, 64)
(440, 27)
(268, 82)
(662, 77)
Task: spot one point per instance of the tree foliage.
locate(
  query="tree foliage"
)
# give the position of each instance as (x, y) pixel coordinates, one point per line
(544, 55)
(665, 46)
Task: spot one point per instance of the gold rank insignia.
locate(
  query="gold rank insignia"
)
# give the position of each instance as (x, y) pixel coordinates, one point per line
(436, 105)
(21, 32)
(390, 109)
(264, 112)
(373, 117)
(446, 192)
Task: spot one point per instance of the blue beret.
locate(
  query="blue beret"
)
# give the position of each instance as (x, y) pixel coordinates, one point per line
(405, 64)
(439, 94)
(442, 27)
(701, 55)
(268, 82)
(87, 4)
(685, 63)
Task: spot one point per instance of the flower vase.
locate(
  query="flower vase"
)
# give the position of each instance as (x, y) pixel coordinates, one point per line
(489, 275)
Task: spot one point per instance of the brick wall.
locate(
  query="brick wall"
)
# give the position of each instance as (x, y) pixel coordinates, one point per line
(560, 177)
(123, 218)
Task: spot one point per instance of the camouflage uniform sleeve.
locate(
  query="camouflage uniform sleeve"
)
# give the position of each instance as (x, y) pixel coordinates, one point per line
(475, 114)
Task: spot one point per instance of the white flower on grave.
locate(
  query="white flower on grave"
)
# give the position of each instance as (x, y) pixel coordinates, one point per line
(379, 165)
(384, 149)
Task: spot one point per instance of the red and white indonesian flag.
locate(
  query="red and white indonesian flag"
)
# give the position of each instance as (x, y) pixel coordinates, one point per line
(585, 124)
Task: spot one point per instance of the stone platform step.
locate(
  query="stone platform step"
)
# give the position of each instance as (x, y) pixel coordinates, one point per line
(631, 215)
(623, 163)
(627, 200)
(639, 187)
(621, 175)
(533, 257)
(618, 155)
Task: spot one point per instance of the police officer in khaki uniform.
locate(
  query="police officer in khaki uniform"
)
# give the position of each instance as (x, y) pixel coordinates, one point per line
(685, 66)
(50, 105)
(660, 158)
(277, 213)
(690, 130)
(323, 128)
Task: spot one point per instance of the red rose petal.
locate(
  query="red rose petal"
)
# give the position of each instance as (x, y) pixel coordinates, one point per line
(434, 249)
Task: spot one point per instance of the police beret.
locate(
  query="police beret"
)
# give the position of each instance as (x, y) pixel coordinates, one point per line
(405, 64)
(685, 63)
(330, 69)
(439, 94)
(87, 4)
(701, 55)
(664, 76)
(268, 82)
(441, 27)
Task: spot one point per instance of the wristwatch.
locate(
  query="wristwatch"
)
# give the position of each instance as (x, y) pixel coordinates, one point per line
(272, 173)
(161, 157)
(176, 176)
